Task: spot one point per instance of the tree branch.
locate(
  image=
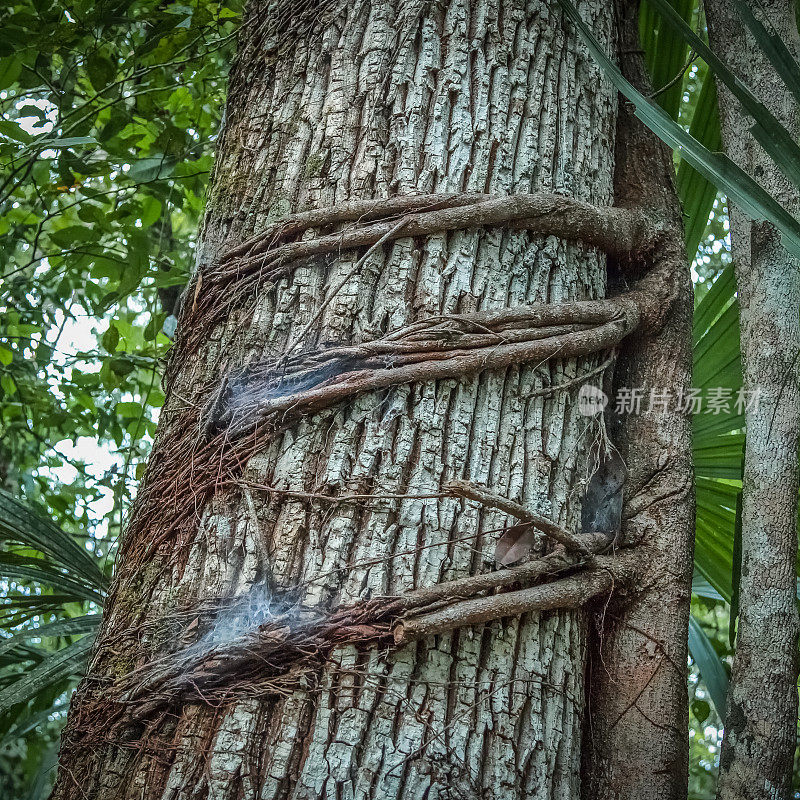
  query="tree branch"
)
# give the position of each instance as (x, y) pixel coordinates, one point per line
(576, 544)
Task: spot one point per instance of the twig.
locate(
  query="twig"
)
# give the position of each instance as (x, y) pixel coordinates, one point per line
(329, 297)
(489, 498)
(580, 379)
(678, 77)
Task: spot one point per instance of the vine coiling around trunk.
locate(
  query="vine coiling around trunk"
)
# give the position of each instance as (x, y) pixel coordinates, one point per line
(219, 439)
(251, 403)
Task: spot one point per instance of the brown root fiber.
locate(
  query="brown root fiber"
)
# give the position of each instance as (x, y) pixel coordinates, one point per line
(208, 448)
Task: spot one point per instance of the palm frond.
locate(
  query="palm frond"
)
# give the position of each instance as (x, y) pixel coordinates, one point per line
(766, 128)
(69, 662)
(19, 523)
(741, 189)
(709, 664)
(665, 53)
(695, 191)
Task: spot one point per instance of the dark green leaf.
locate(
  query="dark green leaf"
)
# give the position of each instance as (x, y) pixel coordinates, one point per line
(708, 663)
(65, 663)
(720, 170)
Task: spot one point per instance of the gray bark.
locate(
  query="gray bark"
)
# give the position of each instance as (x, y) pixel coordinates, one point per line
(395, 99)
(761, 723)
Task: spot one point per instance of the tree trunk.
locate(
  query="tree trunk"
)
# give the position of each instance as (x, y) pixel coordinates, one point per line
(638, 746)
(761, 722)
(335, 103)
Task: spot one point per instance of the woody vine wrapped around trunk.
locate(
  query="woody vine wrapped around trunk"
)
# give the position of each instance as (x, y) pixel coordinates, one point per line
(262, 397)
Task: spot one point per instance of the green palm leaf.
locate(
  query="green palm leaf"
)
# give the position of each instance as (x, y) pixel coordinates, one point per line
(708, 662)
(741, 189)
(87, 623)
(45, 573)
(665, 53)
(18, 523)
(766, 128)
(695, 191)
(18, 609)
(25, 568)
(69, 662)
(718, 439)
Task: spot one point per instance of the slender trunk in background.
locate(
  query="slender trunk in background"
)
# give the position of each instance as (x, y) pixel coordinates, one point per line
(761, 723)
(352, 101)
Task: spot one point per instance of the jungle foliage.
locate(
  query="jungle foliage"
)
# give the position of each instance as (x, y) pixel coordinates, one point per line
(109, 115)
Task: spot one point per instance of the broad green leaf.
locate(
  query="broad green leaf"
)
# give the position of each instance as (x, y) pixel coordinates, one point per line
(151, 211)
(72, 235)
(100, 70)
(128, 409)
(149, 169)
(701, 710)
(10, 69)
(47, 143)
(13, 131)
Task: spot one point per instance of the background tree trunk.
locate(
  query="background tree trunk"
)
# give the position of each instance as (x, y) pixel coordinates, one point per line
(372, 100)
(761, 722)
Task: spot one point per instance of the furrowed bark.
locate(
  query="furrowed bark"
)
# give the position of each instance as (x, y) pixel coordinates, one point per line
(374, 100)
(636, 744)
(761, 721)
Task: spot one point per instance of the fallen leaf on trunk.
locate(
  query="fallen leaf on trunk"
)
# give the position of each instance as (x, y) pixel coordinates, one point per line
(515, 544)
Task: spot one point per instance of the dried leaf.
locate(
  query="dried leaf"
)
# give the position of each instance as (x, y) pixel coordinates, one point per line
(601, 511)
(515, 544)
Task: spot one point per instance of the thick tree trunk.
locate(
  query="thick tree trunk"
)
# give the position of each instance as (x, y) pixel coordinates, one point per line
(760, 728)
(351, 101)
